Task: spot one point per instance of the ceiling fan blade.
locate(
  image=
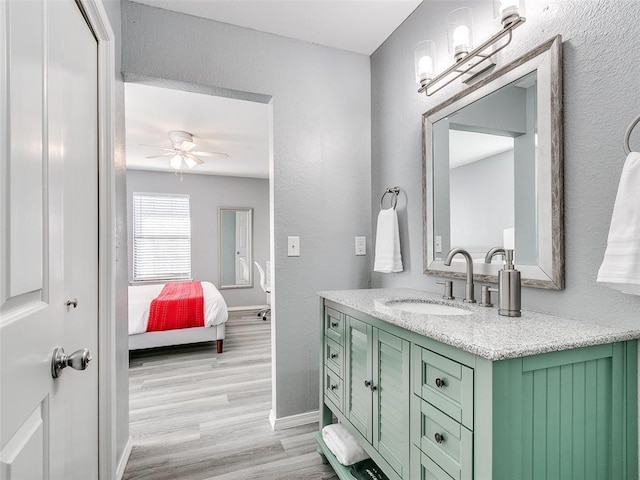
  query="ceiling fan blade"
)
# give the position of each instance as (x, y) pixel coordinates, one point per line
(199, 161)
(156, 146)
(210, 154)
(160, 156)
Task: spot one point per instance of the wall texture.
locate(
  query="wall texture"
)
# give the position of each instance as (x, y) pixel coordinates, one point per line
(320, 170)
(600, 99)
(208, 193)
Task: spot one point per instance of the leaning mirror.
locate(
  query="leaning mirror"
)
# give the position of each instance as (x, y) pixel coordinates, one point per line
(235, 257)
(492, 169)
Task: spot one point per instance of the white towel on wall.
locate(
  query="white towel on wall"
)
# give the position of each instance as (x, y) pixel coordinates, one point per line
(620, 268)
(388, 258)
(343, 445)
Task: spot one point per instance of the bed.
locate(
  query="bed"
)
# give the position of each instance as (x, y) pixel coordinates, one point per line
(215, 316)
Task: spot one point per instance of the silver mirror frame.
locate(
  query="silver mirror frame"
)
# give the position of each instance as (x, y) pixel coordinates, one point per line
(546, 60)
(222, 285)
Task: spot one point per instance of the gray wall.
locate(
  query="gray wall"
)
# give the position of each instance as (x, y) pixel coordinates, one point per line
(113, 10)
(600, 99)
(320, 171)
(208, 193)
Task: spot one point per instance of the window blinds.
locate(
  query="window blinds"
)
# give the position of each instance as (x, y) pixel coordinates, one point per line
(162, 237)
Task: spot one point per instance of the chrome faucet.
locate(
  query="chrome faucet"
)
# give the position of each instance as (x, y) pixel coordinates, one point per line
(468, 289)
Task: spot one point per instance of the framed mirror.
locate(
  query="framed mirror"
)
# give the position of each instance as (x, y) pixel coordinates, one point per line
(492, 170)
(235, 247)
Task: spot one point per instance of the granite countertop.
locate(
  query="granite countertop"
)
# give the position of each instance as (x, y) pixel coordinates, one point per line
(484, 332)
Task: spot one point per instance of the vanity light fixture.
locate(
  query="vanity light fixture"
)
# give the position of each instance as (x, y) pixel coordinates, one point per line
(468, 60)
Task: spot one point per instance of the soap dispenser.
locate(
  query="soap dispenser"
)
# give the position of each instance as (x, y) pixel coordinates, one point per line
(509, 286)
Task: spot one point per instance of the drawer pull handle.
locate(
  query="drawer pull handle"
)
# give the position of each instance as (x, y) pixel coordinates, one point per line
(439, 438)
(334, 324)
(440, 383)
(367, 383)
(334, 387)
(373, 388)
(334, 355)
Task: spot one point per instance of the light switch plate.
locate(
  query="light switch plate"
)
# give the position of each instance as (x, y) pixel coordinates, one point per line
(293, 246)
(361, 245)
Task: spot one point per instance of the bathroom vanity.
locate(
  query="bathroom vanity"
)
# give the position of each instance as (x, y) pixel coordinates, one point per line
(476, 395)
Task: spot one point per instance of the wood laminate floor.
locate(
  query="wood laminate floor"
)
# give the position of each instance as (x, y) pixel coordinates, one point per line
(196, 415)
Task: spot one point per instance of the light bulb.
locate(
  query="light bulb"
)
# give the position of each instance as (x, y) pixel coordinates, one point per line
(176, 162)
(425, 68)
(459, 32)
(508, 11)
(424, 55)
(461, 39)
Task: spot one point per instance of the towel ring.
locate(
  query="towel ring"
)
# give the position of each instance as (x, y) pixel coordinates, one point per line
(627, 135)
(394, 191)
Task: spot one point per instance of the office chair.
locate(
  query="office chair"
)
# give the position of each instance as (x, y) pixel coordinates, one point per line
(265, 284)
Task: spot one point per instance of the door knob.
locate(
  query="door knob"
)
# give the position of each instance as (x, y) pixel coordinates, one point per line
(78, 360)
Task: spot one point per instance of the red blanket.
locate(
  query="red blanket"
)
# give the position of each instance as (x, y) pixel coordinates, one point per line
(179, 305)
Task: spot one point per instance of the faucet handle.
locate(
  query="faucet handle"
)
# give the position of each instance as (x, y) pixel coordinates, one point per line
(448, 289)
(486, 296)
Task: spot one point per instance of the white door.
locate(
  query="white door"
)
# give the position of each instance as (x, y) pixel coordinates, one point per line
(242, 248)
(48, 240)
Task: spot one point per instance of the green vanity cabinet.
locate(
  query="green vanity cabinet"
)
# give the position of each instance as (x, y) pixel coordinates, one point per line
(425, 410)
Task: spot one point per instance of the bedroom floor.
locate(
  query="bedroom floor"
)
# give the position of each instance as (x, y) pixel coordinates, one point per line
(196, 415)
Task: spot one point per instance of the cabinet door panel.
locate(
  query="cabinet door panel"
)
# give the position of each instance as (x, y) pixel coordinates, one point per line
(334, 356)
(423, 468)
(446, 384)
(359, 399)
(333, 388)
(334, 325)
(391, 399)
(445, 441)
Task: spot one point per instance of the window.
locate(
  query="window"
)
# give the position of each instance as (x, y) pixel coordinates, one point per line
(161, 237)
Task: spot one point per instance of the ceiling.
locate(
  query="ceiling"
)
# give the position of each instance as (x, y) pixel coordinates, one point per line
(237, 127)
(355, 25)
(467, 147)
(241, 128)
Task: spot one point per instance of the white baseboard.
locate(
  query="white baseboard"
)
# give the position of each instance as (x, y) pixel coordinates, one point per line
(247, 307)
(294, 420)
(122, 464)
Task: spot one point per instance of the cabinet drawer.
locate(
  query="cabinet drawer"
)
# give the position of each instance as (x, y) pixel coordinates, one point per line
(333, 388)
(444, 383)
(334, 325)
(445, 441)
(334, 356)
(423, 468)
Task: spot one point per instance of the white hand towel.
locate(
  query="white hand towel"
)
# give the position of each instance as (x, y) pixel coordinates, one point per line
(620, 268)
(343, 445)
(388, 258)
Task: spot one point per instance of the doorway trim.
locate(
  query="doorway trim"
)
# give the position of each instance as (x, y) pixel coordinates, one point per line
(98, 20)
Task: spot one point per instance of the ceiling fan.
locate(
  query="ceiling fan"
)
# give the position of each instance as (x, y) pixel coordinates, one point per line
(181, 151)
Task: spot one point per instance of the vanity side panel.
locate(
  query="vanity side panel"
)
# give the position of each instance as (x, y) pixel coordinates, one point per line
(632, 408)
(565, 415)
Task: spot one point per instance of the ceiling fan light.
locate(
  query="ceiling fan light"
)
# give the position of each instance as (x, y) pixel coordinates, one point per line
(176, 162)
(190, 162)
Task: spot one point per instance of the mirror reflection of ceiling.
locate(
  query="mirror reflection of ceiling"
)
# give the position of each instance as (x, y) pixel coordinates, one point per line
(357, 26)
(237, 127)
(469, 147)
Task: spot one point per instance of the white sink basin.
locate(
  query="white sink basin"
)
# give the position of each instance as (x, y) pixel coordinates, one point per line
(426, 308)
